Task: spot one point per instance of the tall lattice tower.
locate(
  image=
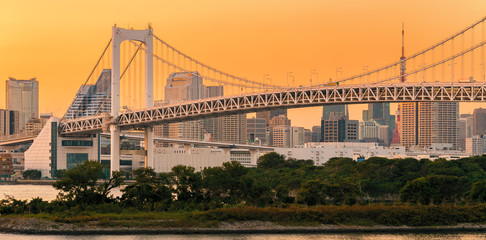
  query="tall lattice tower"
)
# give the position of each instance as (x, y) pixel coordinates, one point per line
(396, 134)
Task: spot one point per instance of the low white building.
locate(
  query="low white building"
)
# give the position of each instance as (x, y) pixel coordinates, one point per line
(320, 152)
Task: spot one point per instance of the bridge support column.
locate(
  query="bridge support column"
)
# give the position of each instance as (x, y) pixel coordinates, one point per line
(115, 149)
(149, 147)
(253, 156)
(187, 147)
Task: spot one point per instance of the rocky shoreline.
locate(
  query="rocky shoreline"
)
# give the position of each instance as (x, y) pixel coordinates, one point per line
(42, 226)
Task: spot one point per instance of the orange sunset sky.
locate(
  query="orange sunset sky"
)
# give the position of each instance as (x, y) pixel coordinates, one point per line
(59, 41)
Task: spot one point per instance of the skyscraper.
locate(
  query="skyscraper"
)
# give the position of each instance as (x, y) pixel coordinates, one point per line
(256, 130)
(408, 125)
(465, 126)
(230, 128)
(425, 123)
(212, 125)
(479, 121)
(9, 122)
(92, 99)
(339, 129)
(268, 115)
(184, 86)
(380, 112)
(23, 96)
(339, 110)
(233, 128)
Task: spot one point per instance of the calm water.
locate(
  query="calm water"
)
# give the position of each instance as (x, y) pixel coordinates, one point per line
(254, 237)
(27, 192)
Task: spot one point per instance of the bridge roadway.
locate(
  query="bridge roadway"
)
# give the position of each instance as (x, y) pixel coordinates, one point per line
(16, 139)
(198, 143)
(288, 98)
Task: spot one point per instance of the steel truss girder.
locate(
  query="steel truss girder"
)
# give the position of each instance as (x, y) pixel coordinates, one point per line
(291, 98)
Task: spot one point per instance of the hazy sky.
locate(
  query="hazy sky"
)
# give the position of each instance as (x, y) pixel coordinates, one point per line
(59, 41)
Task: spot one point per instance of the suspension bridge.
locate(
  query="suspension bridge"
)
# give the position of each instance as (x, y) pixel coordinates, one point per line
(452, 69)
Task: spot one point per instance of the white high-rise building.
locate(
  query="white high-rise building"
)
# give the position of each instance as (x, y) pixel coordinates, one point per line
(373, 131)
(23, 96)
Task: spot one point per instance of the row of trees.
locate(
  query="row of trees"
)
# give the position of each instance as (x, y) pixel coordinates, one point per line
(277, 182)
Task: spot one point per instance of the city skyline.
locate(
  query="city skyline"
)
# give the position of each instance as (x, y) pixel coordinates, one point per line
(316, 38)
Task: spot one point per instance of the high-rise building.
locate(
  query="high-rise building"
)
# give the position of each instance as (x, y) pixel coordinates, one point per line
(280, 120)
(476, 145)
(230, 128)
(287, 136)
(408, 130)
(281, 136)
(316, 133)
(339, 129)
(307, 135)
(256, 130)
(339, 110)
(233, 128)
(9, 122)
(380, 112)
(372, 131)
(427, 123)
(92, 99)
(184, 86)
(23, 96)
(268, 115)
(465, 125)
(479, 121)
(212, 125)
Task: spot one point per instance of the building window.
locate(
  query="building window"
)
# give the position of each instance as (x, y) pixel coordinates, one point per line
(77, 143)
(74, 159)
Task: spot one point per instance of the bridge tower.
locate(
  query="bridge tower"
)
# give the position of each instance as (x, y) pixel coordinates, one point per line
(146, 37)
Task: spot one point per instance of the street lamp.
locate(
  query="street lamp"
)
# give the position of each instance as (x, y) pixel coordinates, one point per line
(312, 72)
(267, 77)
(339, 70)
(289, 75)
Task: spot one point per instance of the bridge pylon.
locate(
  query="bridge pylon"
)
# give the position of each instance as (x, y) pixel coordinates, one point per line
(146, 37)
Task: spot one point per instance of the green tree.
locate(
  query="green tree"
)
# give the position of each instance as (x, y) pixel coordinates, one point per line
(417, 191)
(433, 189)
(148, 190)
(271, 160)
(188, 185)
(227, 184)
(478, 192)
(32, 174)
(311, 193)
(80, 185)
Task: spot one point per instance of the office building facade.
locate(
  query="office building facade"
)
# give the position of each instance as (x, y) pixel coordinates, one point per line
(256, 130)
(268, 115)
(479, 121)
(92, 99)
(9, 122)
(184, 86)
(427, 123)
(23, 96)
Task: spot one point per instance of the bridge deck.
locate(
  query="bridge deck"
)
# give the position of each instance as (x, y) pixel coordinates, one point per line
(290, 98)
